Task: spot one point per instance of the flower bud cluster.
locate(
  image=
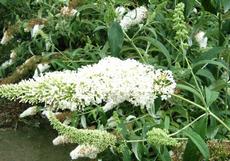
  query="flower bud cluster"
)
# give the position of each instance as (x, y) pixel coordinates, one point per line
(98, 140)
(157, 136)
(179, 25)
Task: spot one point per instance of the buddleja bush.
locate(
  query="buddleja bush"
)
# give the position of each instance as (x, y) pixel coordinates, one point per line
(126, 101)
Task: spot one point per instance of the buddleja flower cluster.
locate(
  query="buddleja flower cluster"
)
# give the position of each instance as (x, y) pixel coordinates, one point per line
(108, 83)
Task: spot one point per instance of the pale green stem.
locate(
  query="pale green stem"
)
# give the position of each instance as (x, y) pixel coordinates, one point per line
(135, 141)
(220, 121)
(205, 109)
(135, 47)
(188, 125)
(193, 103)
(194, 77)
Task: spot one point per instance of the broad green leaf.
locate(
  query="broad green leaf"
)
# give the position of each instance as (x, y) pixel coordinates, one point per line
(135, 149)
(167, 122)
(211, 95)
(208, 6)
(213, 128)
(3, 2)
(210, 54)
(226, 5)
(213, 62)
(201, 126)
(218, 85)
(206, 73)
(159, 46)
(163, 153)
(116, 38)
(189, 6)
(83, 121)
(190, 89)
(198, 141)
(126, 154)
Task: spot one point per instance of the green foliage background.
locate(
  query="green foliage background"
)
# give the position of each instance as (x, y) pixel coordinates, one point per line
(203, 93)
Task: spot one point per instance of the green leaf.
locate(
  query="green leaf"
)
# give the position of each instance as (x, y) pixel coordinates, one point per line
(210, 54)
(208, 6)
(198, 141)
(136, 149)
(213, 62)
(3, 2)
(190, 89)
(83, 121)
(159, 46)
(126, 154)
(206, 73)
(189, 6)
(163, 153)
(226, 5)
(116, 38)
(201, 126)
(167, 122)
(211, 96)
(218, 85)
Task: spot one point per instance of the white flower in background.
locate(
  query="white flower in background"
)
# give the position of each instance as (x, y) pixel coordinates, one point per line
(67, 11)
(36, 29)
(195, 10)
(29, 112)
(61, 140)
(40, 69)
(13, 55)
(201, 39)
(120, 11)
(88, 151)
(111, 122)
(133, 17)
(6, 37)
(7, 63)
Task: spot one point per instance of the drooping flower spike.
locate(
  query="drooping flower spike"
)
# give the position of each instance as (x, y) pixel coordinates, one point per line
(108, 83)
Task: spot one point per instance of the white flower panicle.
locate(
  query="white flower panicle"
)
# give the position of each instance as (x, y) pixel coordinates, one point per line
(7, 36)
(68, 11)
(40, 69)
(201, 39)
(113, 81)
(109, 82)
(133, 17)
(61, 140)
(36, 29)
(120, 11)
(13, 55)
(29, 112)
(88, 151)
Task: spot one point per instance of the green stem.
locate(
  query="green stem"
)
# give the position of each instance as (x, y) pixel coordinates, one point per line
(220, 121)
(194, 77)
(204, 109)
(135, 141)
(193, 103)
(135, 47)
(188, 125)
